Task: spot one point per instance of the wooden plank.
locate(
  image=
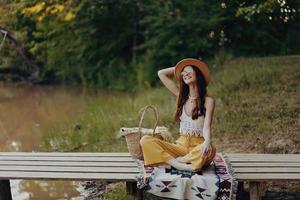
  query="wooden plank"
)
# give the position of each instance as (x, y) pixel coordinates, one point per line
(131, 169)
(261, 155)
(130, 163)
(264, 177)
(262, 160)
(47, 169)
(62, 163)
(262, 164)
(264, 157)
(67, 154)
(268, 170)
(76, 159)
(4, 175)
(126, 154)
(123, 159)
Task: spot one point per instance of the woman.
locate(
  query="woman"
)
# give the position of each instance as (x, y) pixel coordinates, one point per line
(193, 150)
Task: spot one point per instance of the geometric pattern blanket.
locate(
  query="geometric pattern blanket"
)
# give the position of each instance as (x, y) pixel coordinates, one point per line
(216, 181)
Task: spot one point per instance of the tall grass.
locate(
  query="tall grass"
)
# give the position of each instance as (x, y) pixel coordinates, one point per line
(257, 97)
(97, 128)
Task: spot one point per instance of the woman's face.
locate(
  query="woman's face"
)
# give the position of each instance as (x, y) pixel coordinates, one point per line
(188, 75)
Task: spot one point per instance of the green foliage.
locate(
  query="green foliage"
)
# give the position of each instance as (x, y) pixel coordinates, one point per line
(91, 48)
(121, 44)
(178, 29)
(271, 25)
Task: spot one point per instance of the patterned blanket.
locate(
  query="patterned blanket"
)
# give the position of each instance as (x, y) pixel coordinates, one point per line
(214, 182)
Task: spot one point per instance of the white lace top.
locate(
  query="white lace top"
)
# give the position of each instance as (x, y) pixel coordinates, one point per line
(189, 126)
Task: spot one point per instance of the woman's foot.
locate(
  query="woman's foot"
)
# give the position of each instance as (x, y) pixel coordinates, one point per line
(179, 165)
(164, 165)
(186, 167)
(181, 159)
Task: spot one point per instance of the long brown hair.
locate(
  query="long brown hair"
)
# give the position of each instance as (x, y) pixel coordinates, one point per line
(199, 109)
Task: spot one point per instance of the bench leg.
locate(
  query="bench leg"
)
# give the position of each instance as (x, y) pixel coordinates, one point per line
(257, 190)
(262, 189)
(241, 192)
(5, 192)
(253, 189)
(132, 189)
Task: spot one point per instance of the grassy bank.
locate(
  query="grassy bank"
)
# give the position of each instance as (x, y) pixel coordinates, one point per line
(257, 110)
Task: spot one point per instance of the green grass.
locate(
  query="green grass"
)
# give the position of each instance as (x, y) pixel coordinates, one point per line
(257, 105)
(101, 122)
(117, 192)
(257, 99)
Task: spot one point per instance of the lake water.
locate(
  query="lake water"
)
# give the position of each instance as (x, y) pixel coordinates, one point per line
(26, 113)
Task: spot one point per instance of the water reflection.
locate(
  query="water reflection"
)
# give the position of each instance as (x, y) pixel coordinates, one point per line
(26, 113)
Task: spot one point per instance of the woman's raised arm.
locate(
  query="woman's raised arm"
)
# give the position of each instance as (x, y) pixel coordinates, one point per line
(169, 83)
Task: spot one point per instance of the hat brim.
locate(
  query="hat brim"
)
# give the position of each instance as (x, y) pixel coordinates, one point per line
(193, 62)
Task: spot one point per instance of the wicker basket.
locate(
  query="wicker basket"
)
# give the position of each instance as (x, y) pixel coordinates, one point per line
(133, 138)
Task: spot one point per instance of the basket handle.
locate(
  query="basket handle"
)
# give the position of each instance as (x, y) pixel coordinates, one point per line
(143, 110)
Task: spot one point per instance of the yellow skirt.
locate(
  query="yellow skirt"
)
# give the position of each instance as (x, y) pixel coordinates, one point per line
(157, 151)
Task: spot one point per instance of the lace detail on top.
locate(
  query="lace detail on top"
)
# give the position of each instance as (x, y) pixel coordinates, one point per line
(189, 126)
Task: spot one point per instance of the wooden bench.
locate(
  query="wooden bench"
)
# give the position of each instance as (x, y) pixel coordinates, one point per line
(257, 169)
(112, 167)
(254, 169)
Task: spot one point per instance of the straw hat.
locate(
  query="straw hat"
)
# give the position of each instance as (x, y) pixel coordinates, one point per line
(194, 62)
